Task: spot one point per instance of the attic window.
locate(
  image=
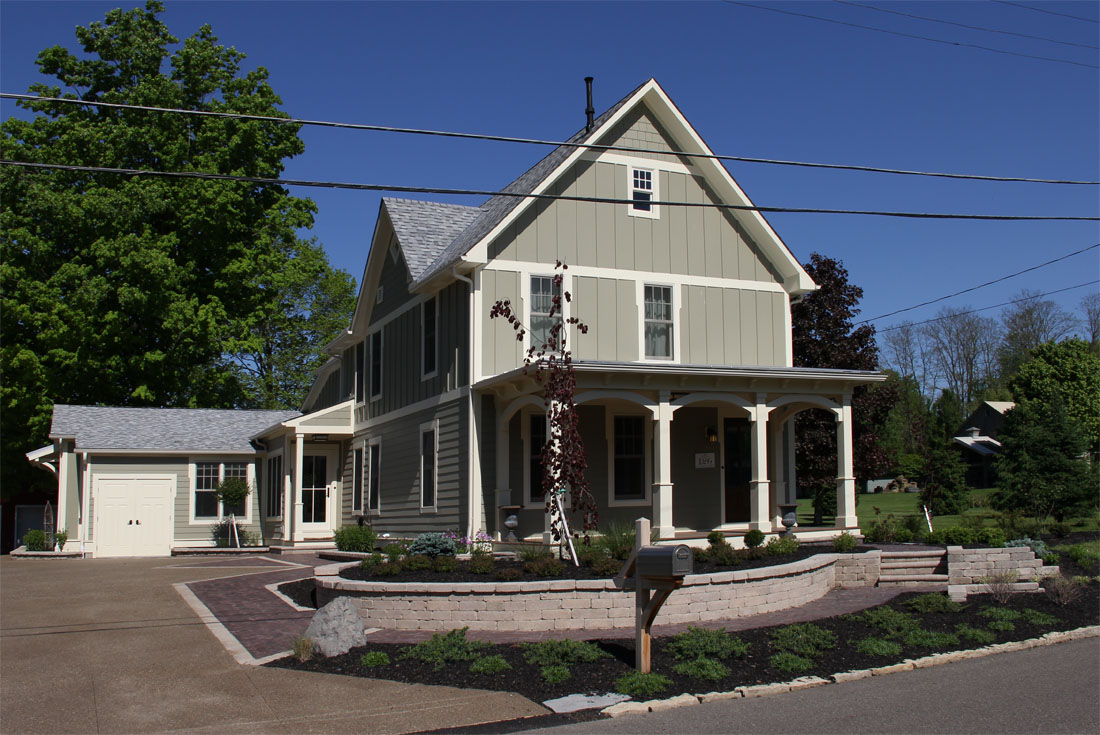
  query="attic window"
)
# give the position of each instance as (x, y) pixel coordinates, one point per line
(643, 191)
(378, 296)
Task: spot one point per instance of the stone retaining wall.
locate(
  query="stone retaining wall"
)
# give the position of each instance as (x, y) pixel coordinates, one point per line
(971, 566)
(595, 603)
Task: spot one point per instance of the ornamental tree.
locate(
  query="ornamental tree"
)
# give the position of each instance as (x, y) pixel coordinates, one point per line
(563, 458)
(1069, 371)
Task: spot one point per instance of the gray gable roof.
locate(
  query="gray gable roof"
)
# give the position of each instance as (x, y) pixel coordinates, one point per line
(498, 207)
(424, 229)
(162, 429)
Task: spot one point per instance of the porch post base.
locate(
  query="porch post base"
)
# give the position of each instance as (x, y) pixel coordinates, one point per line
(662, 510)
(764, 526)
(847, 522)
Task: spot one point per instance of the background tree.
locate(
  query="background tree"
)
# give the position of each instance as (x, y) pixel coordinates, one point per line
(824, 337)
(904, 432)
(943, 474)
(1027, 323)
(1090, 312)
(125, 290)
(962, 348)
(1068, 372)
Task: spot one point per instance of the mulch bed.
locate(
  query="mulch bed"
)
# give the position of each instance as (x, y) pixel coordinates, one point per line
(754, 668)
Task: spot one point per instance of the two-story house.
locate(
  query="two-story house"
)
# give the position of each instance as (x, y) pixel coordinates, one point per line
(425, 419)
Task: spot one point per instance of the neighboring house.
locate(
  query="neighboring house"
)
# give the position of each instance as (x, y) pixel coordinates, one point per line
(977, 440)
(425, 419)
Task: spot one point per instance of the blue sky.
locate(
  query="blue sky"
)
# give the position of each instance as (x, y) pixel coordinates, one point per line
(753, 83)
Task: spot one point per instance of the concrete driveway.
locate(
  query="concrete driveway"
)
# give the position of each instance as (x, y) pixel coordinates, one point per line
(109, 646)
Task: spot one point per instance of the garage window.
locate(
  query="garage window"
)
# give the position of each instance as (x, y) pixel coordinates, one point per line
(206, 477)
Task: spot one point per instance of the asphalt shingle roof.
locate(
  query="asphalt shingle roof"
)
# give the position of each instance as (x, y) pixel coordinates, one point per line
(424, 229)
(162, 429)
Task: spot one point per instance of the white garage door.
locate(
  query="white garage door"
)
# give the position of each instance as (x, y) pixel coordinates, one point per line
(133, 516)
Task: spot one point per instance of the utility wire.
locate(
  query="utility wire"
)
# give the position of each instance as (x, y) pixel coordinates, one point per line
(516, 195)
(982, 285)
(534, 141)
(963, 25)
(985, 308)
(910, 35)
(1044, 10)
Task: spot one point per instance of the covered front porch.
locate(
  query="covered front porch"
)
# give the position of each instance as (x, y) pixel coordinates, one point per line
(695, 448)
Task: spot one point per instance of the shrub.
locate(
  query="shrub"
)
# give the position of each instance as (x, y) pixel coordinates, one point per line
(781, 546)
(1084, 555)
(562, 651)
(845, 543)
(878, 647)
(1035, 617)
(532, 552)
(992, 537)
(893, 623)
(508, 574)
(222, 535)
(1036, 545)
(933, 602)
(724, 556)
(792, 662)
(1062, 590)
(60, 538)
(903, 535)
(443, 649)
(590, 554)
(701, 556)
(980, 636)
(444, 564)
(374, 659)
(489, 665)
(999, 613)
(394, 551)
(641, 686)
(702, 668)
(546, 567)
(481, 562)
(355, 538)
(617, 540)
(1001, 584)
(386, 569)
(804, 639)
(433, 545)
(371, 561)
(754, 538)
(418, 563)
(303, 648)
(35, 540)
(607, 567)
(232, 493)
(555, 674)
(1058, 529)
(930, 639)
(714, 538)
(699, 642)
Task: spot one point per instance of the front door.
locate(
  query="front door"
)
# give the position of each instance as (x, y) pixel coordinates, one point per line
(318, 489)
(738, 465)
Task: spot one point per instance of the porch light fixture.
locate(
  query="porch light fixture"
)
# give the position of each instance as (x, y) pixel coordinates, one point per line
(712, 435)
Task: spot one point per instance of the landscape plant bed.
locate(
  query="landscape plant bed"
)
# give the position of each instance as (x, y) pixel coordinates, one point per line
(822, 648)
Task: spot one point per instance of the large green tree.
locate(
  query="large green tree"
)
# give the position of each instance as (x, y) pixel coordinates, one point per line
(1070, 372)
(130, 290)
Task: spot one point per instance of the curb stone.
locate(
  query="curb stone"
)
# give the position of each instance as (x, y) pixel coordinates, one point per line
(805, 682)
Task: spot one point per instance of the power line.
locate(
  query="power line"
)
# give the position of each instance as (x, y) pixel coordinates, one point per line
(553, 197)
(963, 25)
(982, 285)
(1044, 10)
(911, 35)
(537, 141)
(985, 308)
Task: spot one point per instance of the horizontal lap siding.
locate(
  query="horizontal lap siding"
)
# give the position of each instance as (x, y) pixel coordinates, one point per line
(144, 466)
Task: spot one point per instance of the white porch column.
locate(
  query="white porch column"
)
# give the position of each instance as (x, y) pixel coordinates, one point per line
(778, 462)
(845, 481)
(759, 494)
(501, 484)
(296, 489)
(662, 485)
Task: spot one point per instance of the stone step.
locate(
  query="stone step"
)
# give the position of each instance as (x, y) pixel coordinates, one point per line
(912, 554)
(912, 578)
(911, 564)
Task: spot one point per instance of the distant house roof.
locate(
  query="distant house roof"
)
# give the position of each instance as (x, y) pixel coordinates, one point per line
(984, 424)
(1000, 406)
(425, 229)
(170, 430)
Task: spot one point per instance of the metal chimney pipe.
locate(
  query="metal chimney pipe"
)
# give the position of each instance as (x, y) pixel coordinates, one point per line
(589, 111)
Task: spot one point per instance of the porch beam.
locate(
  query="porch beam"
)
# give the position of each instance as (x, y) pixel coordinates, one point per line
(845, 481)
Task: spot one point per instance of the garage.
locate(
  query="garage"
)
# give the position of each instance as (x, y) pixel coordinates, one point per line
(133, 515)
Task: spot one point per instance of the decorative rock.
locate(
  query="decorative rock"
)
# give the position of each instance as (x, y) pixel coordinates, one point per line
(578, 702)
(718, 696)
(807, 682)
(683, 700)
(883, 670)
(851, 675)
(626, 708)
(764, 690)
(336, 628)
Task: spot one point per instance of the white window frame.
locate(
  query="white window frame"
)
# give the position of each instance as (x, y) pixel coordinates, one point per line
(361, 372)
(371, 395)
(655, 181)
(431, 302)
(528, 301)
(269, 477)
(432, 426)
(192, 472)
(378, 295)
(372, 444)
(525, 433)
(647, 459)
(674, 345)
(358, 476)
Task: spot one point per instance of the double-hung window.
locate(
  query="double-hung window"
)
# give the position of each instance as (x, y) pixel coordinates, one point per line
(643, 192)
(658, 322)
(629, 457)
(273, 484)
(360, 371)
(429, 451)
(429, 339)
(357, 482)
(376, 364)
(374, 471)
(543, 291)
(208, 475)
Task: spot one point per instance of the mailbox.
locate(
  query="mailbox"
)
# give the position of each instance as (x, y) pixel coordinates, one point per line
(664, 562)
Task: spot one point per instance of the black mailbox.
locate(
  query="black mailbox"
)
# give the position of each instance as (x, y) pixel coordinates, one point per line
(664, 562)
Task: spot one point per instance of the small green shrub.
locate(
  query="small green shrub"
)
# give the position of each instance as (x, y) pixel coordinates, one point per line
(1036, 617)
(903, 535)
(933, 602)
(371, 561)
(443, 649)
(1061, 590)
(35, 540)
(481, 562)
(617, 539)
(546, 567)
(433, 544)
(999, 613)
(444, 564)
(754, 538)
(355, 538)
(374, 659)
(532, 552)
(699, 642)
(303, 648)
(930, 639)
(700, 556)
(845, 543)
(1083, 555)
(980, 636)
(1036, 545)
(509, 574)
(493, 664)
(1058, 529)
(607, 567)
(916, 525)
(418, 563)
(992, 537)
(781, 546)
(562, 651)
(555, 673)
(1006, 625)
(792, 662)
(642, 686)
(702, 668)
(724, 555)
(232, 492)
(804, 639)
(893, 623)
(60, 538)
(1001, 584)
(394, 551)
(716, 537)
(878, 647)
(386, 569)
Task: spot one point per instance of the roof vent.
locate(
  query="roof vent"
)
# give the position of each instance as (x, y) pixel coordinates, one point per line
(589, 111)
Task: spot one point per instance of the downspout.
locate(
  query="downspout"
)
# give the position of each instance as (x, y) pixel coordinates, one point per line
(473, 506)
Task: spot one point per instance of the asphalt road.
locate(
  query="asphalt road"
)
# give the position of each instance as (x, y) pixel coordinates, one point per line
(1054, 689)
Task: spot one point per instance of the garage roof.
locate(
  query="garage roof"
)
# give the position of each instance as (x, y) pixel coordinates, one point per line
(170, 430)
